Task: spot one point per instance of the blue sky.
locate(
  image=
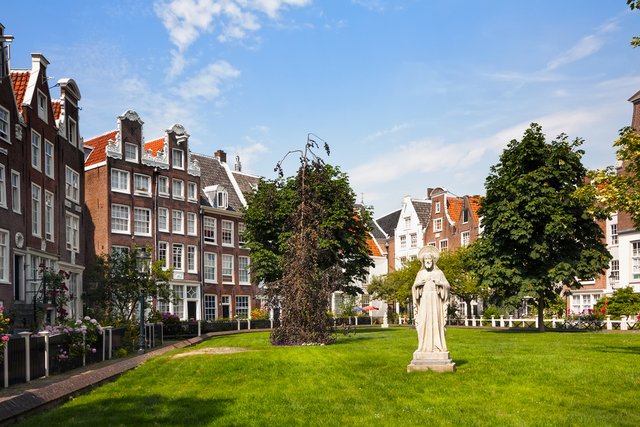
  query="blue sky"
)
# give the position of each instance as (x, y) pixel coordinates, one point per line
(409, 94)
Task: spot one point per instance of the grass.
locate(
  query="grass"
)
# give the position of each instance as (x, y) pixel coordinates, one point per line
(503, 378)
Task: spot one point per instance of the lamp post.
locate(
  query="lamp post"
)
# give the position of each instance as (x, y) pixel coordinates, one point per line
(143, 258)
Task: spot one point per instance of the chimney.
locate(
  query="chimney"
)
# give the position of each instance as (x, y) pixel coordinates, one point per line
(221, 156)
(429, 190)
(238, 165)
(5, 55)
(635, 119)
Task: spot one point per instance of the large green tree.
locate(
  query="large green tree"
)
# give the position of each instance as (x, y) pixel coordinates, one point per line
(634, 5)
(538, 230)
(307, 240)
(457, 268)
(396, 285)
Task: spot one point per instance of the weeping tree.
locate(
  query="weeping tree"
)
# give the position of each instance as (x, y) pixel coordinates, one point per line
(307, 240)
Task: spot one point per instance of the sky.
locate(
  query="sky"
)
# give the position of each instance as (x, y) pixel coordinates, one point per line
(409, 94)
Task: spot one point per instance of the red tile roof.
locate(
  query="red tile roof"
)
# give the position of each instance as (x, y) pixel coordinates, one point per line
(56, 107)
(20, 80)
(155, 145)
(99, 146)
(373, 248)
(454, 208)
(474, 202)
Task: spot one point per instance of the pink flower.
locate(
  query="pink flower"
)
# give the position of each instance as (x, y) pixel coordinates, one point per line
(5, 338)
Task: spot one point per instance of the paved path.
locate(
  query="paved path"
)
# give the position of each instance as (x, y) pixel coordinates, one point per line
(22, 399)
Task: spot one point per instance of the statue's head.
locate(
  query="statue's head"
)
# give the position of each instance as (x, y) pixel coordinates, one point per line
(428, 256)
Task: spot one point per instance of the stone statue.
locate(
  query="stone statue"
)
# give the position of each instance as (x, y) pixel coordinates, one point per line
(430, 295)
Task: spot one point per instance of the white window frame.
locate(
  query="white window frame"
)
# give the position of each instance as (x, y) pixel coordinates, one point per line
(5, 244)
(73, 132)
(127, 157)
(615, 270)
(192, 224)
(465, 216)
(43, 108)
(163, 192)
(413, 240)
(614, 234)
(49, 215)
(163, 220)
(121, 208)
(3, 186)
(635, 260)
(228, 231)
(437, 207)
(163, 254)
(177, 221)
(5, 125)
(228, 261)
(117, 249)
(243, 269)
(444, 245)
(36, 210)
(72, 185)
(403, 241)
(210, 306)
(16, 196)
(209, 224)
(49, 159)
(192, 259)
(465, 238)
(36, 150)
(192, 191)
(241, 230)
(121, 176)
(139, 178)
(177, 189)
(222, 199)
(72, 223)
(177, 256)
(139, 222)
(437, 225)
(210, 267)
(177, 158)
(242, 307)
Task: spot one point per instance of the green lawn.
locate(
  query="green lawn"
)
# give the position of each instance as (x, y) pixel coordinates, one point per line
(503, 378)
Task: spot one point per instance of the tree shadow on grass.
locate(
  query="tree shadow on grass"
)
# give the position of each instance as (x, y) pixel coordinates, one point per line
(617, 349)
(149, 409)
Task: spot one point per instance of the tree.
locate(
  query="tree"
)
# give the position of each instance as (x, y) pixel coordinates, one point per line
(634, 5)
(623, 302)
(538, 231)
(457, 268)
(307, 240)
(115, 285)
(396, 285)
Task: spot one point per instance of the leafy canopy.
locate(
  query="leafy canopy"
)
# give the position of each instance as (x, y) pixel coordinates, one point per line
(623, 302)
(457, 268)
(396, 285)
(538, 230)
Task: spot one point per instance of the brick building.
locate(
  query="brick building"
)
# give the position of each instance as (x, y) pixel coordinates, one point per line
(41, 187)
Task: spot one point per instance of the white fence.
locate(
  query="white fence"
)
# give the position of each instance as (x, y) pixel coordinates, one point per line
(626, 323)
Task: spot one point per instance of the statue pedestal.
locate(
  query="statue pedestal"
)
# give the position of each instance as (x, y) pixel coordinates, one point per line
(432, 361)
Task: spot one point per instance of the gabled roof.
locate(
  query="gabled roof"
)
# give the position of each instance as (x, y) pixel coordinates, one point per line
(374, 248)
(423, 210)
(155, 145)
(635, 97)
(474, 203)
(389, 222)
(454, 208)
(20, 81)
(247, 183)
(377, 231)
(98, 146)
(212, 172)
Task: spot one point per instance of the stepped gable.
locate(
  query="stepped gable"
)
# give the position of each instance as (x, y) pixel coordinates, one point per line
(213, 172)
(20, 81)
(98, 146)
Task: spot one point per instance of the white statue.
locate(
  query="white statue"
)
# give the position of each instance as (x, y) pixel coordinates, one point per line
(430, 295)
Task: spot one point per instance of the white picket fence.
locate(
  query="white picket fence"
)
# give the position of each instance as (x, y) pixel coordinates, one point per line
(626, 323)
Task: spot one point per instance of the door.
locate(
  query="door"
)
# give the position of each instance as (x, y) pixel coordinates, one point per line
(226, 307)
(18, 277)
(192, 309)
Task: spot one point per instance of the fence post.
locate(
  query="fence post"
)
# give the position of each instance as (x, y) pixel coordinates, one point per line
(356, 317)
(238, 324)
(501, 321)
(511, 321)
(6, 364)
(199, 328)
(623, 323)
(493, 321)
(161, 333)
(45, 334)
(27, 354)
(109, 329)
(271, 321)
(84, 348)
(537, 326)
(104, 344)
(609, 325)
(554, 319)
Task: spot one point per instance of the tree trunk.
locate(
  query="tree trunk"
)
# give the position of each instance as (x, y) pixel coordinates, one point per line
(540, 313)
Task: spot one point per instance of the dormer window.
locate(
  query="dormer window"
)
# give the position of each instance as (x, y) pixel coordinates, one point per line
(130, 152)
(43, 110)
(222, 199)
(218, 196)
(177, 159)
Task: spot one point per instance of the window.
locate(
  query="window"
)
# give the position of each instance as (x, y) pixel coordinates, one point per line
(583, 303)
(431, 244)
(437, 207)
(130, 152)
(3, 187)
(635, 259)
(465, 238)
(142, 184)
(72, 184)
(178, 189)
(119, 251)
(163, 219)
(178, 305)
(119, 181)
(73, 232)
(615, 270)
(241, 229)
(142, 222)
(177, 222)
(15, 191)
(242, 306)
(192, 292)
(4, 124)
(48, 159)
(437, 224)
(178, 254)
(48, 215)
(120, 219)
(209, 226)
(192, 223)
(210, 307)
(192, 261)
(4, 256)
(227, 233)
(403, 242)
(243, 270)
(614, 234)
(222, 199)
(36, 210)
(35, 150)
(73, 132)
(163, 186)
(227, 268)
(43, 111)
(163, 248)
(407, 222)
(209, 267)
(444, 245)
(177, 158)
(465, 216)
(414, 240)
(192, 191)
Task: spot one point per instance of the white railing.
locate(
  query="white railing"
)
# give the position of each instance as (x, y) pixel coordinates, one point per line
(626, 323)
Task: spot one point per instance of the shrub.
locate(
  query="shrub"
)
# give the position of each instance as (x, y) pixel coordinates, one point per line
(172, 324)
(490, 311)
(259, 314)
(623, 302)
(76, 346)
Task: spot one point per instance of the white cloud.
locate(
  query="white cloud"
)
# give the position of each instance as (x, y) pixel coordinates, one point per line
(250, 154)
(384, 132)
(206, 84)
(587, 46)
